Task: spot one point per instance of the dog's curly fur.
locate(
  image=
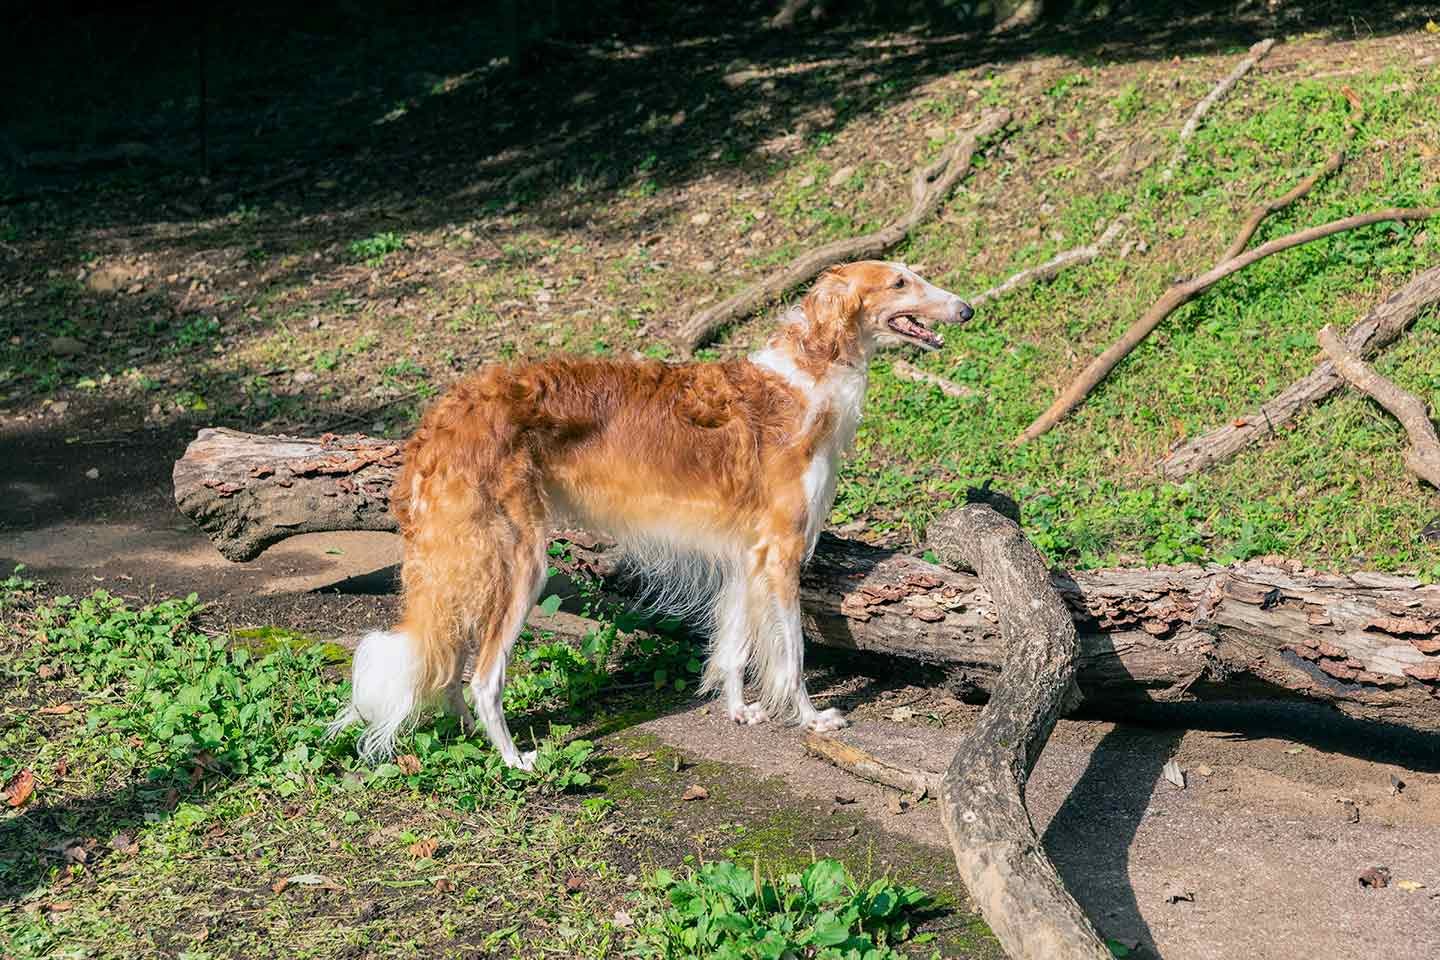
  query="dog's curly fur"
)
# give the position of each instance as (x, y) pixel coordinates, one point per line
(715, 477)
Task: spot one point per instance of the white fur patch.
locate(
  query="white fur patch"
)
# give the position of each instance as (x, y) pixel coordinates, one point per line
(382, 694)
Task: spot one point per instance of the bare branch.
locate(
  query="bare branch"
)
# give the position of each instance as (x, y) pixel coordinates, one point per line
(1423, 457)
(1182, 293)
(908, 371)
(1257, 53)
(929, 188)
(1379, 328)
(1052, 267)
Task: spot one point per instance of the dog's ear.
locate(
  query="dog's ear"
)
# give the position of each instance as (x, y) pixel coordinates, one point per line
(832, 300)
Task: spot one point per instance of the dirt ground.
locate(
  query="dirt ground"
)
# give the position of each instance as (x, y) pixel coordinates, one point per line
(1261, 835)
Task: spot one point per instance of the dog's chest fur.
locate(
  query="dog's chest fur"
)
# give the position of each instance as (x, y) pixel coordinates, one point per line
(841, 393)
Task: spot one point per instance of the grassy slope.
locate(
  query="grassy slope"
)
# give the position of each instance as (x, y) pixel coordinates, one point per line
(576, 256)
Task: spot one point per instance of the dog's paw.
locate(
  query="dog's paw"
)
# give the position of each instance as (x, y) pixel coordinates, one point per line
(749, 714)
(826, 720)
(526, 761)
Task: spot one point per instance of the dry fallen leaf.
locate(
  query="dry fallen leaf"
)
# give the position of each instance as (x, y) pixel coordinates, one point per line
(57, 710)
(409, 764)
(62, 768)
(311, 880)
(901, 714)
(279, 885)
(1409, 886)
(695, 792)
(20, 787)
(623, 919)
(574, 883)
(124, 843)
(444, 885)
(424, 849)
(59, 906)
(1204, 770)
(1174, 774)
(1353, 97)
(897, 805)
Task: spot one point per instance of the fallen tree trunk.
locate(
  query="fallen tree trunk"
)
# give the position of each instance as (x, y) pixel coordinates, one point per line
(1366, 643)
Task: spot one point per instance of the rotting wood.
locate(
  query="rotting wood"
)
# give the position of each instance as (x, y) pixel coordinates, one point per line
(1422, 457)
(1216, 94)
(982, 795)
(928, 189)
(1267, 629)
(1182, 293)
(1380, 327)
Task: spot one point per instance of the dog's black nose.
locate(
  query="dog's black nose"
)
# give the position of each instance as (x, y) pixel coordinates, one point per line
(966, 311)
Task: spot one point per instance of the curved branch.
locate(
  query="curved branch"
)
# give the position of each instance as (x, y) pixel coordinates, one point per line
(1423, 457)
(929, 187)
(1182, 293)
(997, 852)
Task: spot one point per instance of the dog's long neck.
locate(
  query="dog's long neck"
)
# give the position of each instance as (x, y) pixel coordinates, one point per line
(832, 378)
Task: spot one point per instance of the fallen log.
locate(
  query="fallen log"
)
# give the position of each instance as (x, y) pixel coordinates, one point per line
(1380, 327)
(1366, 643)
(982, 795)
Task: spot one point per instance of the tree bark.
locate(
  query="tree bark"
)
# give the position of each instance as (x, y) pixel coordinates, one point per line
(982, 796)
(1367, 643)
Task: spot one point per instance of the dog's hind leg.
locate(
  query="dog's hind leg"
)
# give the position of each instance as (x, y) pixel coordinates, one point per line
(730, 648)
(515, 584)
(780, 650)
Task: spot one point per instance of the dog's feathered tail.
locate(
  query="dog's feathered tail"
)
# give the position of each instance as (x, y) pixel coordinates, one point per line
(390, 682)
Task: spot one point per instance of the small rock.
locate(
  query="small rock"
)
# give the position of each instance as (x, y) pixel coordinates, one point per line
(1174, 774)
(1397, 786)
(304, 376)
(898, 805)
(1375, 878)
(314, 323)
(1204, 770)
(839, 177)
(700, 219)
(93, 473)
(695, 792)
(107, 279)
(706, 266)
(1175, 892)
(66, 346)
(901, 714)
(59, 407)
(1430, 533)
(806, 181)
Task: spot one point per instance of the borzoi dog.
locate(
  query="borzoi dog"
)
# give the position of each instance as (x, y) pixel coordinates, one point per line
(714, 476)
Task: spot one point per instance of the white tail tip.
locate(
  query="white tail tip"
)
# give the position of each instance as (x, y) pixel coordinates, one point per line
(383, 692)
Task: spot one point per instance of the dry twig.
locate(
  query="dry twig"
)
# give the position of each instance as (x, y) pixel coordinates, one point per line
(1257, 53)
(928, 189)
(1423, 456)
(867, 766)
(908, 371)
(1052, 267)
(1182, 293)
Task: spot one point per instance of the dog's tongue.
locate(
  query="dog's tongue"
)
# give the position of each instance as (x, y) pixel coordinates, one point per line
(912, 328)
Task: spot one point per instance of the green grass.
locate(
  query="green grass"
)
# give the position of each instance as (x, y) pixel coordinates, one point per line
(1330, 490)
(186, 802)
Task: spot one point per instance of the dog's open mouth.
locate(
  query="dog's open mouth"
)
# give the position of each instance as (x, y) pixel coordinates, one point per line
(913, 328)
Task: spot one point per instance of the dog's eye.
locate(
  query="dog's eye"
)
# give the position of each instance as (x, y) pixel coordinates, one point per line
(899, 282)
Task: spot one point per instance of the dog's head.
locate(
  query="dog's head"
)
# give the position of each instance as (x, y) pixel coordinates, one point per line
(869, 298)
